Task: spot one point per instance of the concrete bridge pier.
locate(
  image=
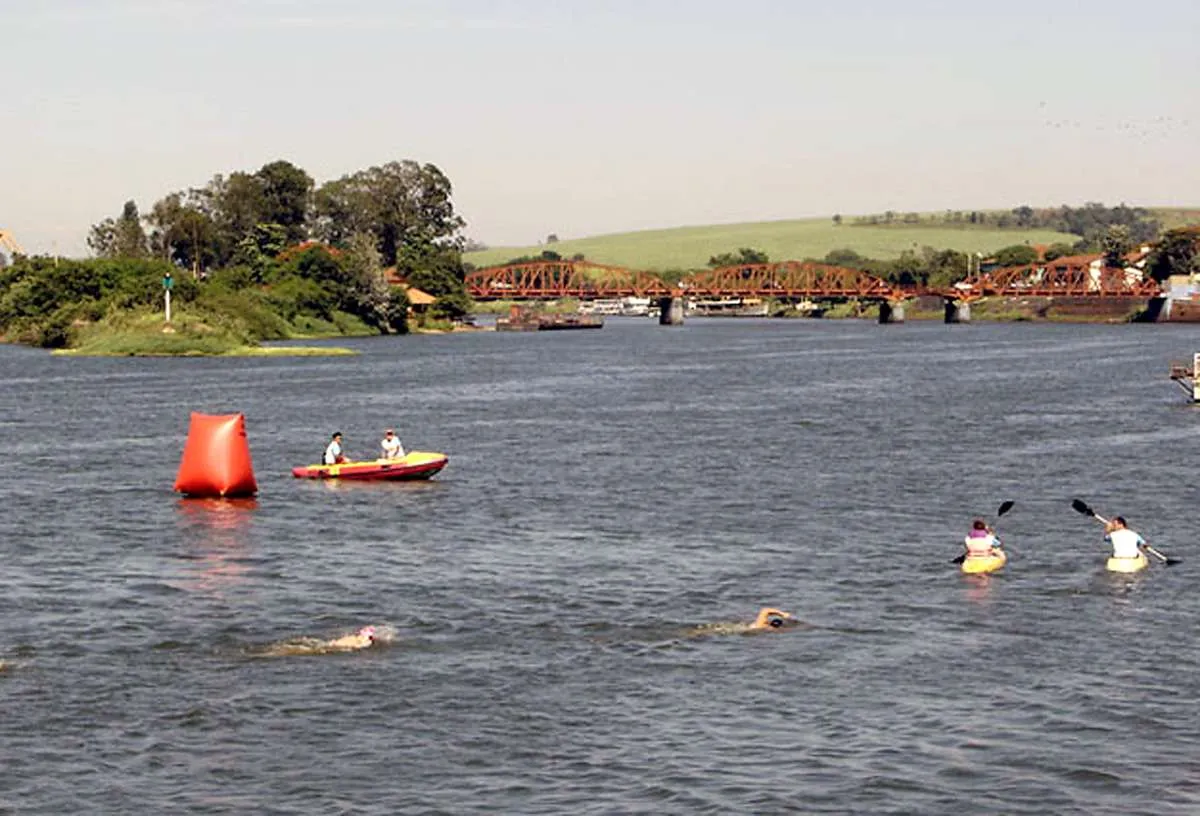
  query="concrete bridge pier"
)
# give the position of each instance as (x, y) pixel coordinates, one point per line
(958, 311)
(670, 311)
(891, 312)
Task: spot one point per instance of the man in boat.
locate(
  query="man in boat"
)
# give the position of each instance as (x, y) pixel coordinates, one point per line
(392, 449)
(333, 451)
(1125, 542)
(981, 542)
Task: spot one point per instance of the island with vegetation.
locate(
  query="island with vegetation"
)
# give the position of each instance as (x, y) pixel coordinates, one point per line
(250, 257)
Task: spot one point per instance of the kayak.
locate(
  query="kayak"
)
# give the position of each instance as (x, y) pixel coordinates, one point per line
(1128, 564)
(416, 465)
(983, 564)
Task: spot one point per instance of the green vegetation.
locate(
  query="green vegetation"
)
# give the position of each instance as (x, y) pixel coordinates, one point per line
(691, 247)
(1064, 230)
(250, 257)
(503, 307)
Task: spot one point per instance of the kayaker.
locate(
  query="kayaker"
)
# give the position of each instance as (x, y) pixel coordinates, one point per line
(981, 542)
(392, 449)
(1125, 542)
(333, 451)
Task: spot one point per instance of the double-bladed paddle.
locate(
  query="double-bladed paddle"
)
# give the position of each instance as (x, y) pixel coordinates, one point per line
(1080, 507)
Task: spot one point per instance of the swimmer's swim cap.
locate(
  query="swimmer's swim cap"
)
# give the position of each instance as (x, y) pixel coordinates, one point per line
(367, 631)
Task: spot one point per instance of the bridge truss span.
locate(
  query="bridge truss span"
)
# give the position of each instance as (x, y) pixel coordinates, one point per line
(1061, 280)
(789, 279)
(542, 280)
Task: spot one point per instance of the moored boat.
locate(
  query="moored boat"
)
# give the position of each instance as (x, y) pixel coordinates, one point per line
(416, 465)
(979, 565)
(1127, 564)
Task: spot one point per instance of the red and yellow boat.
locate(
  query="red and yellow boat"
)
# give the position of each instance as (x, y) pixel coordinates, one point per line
(416, 465)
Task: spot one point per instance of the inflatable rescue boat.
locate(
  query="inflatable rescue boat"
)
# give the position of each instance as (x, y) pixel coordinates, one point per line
(416, 465)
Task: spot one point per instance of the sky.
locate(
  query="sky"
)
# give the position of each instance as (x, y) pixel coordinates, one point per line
(586, 117)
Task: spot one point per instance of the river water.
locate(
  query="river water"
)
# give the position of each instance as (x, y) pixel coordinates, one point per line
(608, 490)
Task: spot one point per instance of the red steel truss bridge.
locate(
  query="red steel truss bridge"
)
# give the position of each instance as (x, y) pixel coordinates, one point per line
(797, 280)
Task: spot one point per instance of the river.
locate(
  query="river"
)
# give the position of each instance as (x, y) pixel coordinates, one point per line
(607, 491)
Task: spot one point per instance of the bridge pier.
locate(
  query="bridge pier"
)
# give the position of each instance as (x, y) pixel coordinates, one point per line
(670, 311)
(891, 312)
(958, 311)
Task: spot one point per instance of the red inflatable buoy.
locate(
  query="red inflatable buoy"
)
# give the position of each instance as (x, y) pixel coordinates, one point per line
(216, 458)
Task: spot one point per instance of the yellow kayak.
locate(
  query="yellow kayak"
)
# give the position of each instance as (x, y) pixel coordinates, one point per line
(1128, 564)
(982, 564)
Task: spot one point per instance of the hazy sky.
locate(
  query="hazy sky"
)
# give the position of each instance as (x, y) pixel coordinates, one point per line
(588, 117)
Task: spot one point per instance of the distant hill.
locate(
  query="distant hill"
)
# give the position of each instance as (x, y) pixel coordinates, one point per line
(691, 247)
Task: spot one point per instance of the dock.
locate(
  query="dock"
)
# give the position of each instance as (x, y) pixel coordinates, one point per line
(523, 319)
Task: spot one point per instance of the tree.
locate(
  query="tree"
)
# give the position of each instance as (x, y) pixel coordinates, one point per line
(259, 246)
(1177, 253)
(837, 220)
(183, 233)
(944, 267)
(400, 203)
(377, 303)
(552, 238)
(743, 257)
(1057, 250)
(122, 237)
(437, 270)
(1024, 215)
(844, 257)
(235, 205)
(1016, 255)
(1115, 244)
(286, 195)
(907, 270)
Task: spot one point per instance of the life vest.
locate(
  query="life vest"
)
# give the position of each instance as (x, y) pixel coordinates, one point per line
(980, 546)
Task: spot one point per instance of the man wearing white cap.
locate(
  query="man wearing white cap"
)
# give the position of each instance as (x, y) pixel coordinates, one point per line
(392, 449)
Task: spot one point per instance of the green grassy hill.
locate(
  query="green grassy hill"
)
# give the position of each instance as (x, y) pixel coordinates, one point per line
(691, 247)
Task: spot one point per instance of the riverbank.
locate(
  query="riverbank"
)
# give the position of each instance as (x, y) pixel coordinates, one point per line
(197, 334)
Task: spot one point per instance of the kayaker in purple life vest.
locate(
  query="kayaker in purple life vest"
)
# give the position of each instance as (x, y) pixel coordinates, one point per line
(981, 542)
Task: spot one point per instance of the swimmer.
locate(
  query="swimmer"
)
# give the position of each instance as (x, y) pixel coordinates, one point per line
(364, 638)
(771, 618)
(768, 618)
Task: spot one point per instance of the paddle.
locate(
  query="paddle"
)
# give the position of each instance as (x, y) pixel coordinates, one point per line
(1079, 507)
(1004, 508)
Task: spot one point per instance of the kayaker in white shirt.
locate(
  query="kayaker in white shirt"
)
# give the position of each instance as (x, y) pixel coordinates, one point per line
(392, 449)
(333, 451)
(981, 542)
(1125, 542)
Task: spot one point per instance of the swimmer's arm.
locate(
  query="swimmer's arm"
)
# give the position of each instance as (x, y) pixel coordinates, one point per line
(767, 612)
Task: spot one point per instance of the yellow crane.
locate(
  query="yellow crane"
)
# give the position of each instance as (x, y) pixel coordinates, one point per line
(8, 242)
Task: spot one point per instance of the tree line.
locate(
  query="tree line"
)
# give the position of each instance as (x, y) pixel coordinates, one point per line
(1090, 222)
(1176, 253)
(402, 210)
